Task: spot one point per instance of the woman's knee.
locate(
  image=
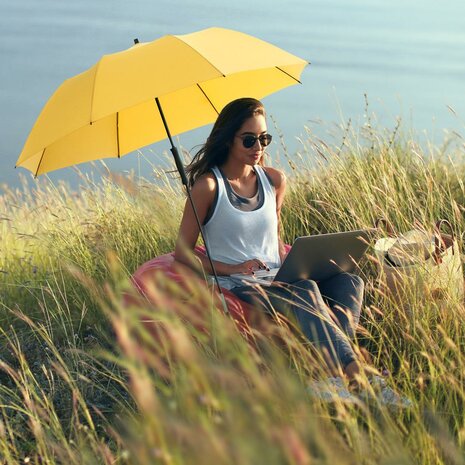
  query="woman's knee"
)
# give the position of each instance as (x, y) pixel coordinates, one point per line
(351, 282)
(306, 285)
(308, 291)
(357, 281)
(353, 279)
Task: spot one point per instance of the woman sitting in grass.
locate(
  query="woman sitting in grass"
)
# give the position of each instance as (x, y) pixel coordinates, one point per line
(239, 201)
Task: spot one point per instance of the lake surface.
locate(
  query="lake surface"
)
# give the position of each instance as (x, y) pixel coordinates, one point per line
(407, 56)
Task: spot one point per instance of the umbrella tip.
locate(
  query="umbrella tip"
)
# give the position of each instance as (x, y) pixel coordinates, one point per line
(136, 41)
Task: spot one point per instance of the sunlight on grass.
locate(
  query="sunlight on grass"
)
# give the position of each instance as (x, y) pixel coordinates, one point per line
(87, 379)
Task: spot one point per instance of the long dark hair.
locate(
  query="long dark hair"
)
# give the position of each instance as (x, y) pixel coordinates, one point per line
(216, 148)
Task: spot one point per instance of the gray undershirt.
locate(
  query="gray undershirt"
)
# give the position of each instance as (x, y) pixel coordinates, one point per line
(245, 204)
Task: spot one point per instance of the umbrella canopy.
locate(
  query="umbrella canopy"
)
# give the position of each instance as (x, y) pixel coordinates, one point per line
(110, 109)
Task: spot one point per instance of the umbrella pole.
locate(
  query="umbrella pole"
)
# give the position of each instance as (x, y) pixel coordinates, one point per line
(182, 173)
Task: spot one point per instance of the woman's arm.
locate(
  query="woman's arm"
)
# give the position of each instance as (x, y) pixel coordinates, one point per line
(279, 182)
(203, 196)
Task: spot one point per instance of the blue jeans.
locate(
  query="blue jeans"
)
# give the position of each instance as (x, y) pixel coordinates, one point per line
(327, 312)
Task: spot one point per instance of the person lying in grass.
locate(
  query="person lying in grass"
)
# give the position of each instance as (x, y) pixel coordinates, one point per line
(239, 200)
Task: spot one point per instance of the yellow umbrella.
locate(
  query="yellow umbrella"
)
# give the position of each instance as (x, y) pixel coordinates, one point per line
(149, 92)
(114, 107)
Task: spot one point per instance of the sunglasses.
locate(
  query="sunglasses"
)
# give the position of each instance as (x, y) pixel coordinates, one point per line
(249, 141)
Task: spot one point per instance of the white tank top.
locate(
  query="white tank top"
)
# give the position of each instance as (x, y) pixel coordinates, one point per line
(235, 236)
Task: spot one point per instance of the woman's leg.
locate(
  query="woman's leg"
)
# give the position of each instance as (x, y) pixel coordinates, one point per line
(344, 295)
(304, 301)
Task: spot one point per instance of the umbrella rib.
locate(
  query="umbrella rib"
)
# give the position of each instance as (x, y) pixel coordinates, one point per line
(117, 133)
(206, 96)
(93, 90)
(40, 162)
(198, 53)
(287, 74)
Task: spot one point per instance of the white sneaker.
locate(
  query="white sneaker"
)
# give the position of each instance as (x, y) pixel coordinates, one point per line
(334, 389)
(331, 390)
(384, 394)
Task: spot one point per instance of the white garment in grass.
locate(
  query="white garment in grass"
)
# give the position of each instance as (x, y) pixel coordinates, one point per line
(235, 236)
(334, 389)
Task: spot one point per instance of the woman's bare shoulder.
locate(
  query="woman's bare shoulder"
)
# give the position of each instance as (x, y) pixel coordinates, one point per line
(277, 176)
(205, 185)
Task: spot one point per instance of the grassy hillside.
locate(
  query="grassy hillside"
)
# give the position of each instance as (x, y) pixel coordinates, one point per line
(83, 381)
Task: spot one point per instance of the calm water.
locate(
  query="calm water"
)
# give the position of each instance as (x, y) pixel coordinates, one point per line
(408, 56)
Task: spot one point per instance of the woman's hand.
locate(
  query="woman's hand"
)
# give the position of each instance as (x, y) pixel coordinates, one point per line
(249, 267)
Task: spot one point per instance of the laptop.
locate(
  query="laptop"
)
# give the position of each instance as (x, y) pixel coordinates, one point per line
(316, 257)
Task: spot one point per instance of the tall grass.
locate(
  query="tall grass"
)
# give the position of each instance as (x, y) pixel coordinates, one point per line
(86, 379)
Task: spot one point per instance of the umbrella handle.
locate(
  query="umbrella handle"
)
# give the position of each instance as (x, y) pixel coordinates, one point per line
(174, 150)
(179, 165)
